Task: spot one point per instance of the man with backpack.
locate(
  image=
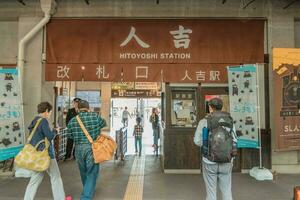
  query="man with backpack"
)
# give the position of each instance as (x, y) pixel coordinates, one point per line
(216, 136)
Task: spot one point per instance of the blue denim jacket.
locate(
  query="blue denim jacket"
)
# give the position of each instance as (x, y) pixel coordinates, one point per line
(42, 131)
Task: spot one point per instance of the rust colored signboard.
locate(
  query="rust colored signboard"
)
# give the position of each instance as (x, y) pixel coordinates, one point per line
(184, 73)
(286, 72)
(149, 45)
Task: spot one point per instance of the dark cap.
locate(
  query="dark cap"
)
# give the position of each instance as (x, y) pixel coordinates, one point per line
(216, 103)
(83, 104)
(76, 99)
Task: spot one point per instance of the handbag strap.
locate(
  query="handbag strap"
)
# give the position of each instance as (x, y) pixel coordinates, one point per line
(47, 144)
(84, 130)
(34, 129)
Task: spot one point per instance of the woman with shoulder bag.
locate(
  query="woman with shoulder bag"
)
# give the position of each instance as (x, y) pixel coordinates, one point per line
(43, 132)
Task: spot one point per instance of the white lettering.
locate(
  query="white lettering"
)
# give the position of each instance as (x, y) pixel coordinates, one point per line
(186, 76)
(181, 37)
(137, 39)
(153, 56)
(101, 72)
(200, 76)
(141, 72)
(62, 72)
(286, 128)
(291, 128)
(214, 75)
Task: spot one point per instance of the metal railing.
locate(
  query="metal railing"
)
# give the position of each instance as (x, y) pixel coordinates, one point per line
(121, 140)
(60, 144)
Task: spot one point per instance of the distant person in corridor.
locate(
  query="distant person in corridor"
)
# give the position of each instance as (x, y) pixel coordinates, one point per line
(89, 170)
(154, 120)
(125, 116)
(216, 135)
(71, 113)
(137, 133)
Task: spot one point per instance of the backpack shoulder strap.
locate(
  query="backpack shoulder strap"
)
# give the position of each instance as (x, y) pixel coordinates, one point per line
(208, 117)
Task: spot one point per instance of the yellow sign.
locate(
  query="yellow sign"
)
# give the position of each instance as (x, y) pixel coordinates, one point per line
(123, 86)
(284, 59)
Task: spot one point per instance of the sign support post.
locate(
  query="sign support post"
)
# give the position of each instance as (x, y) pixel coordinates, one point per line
(260, 173)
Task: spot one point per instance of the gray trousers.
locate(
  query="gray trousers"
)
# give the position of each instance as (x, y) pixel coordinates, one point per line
(217, 174)
(56, 183)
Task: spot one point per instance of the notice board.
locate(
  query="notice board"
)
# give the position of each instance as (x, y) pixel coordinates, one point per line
(11, 114)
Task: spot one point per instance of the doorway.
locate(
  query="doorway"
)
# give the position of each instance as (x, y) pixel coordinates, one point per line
(137, 107)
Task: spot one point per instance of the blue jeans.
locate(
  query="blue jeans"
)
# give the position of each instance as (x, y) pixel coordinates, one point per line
(88, 170)
(138, 140)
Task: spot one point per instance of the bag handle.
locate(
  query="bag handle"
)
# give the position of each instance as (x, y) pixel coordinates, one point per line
(34, 129)
(84, 130)
(46, 143)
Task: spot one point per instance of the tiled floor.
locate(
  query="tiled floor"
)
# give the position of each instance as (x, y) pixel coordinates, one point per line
(114, 179)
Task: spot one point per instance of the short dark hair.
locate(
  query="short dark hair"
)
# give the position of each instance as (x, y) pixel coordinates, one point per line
(153, 110)
(76, 99)
(43, 107)
(138, 119)
(83, 104)
(216, 103)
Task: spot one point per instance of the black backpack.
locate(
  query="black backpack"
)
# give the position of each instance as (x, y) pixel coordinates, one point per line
(220, 141)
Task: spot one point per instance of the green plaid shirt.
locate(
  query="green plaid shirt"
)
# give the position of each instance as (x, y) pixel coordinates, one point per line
(93, 124)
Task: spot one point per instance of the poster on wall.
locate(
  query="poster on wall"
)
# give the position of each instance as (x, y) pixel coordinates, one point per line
(243, 94)
(286, 84)
(11, 114)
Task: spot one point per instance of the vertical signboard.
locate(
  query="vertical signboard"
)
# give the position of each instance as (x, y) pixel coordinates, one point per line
(286, 83)
(11, 114)
(243, 104)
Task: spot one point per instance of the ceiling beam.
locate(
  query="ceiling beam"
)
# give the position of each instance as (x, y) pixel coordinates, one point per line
(289, 4)
(247, 4)
(22, 2)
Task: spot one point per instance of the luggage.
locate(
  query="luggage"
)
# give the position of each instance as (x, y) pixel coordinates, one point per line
(104, 146)
(220, 141)
(32, 159)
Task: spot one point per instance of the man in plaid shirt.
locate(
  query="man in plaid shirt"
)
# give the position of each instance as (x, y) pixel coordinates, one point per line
(137, 133)
(89, 170)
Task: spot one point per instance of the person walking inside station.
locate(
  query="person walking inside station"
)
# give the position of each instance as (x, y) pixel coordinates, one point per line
(216, 135)
(42, 131)
(70, 115)
(125, 116)
(89, 170)
(154, 120)
(137, 133)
